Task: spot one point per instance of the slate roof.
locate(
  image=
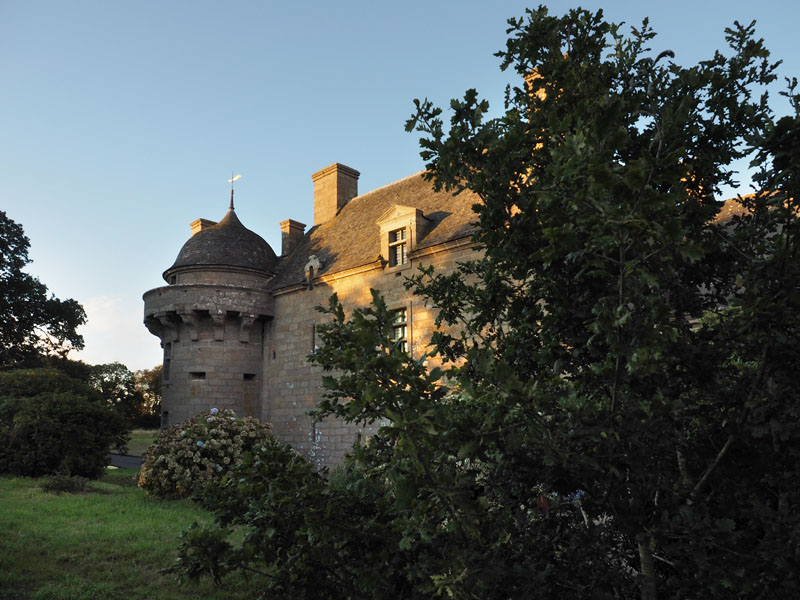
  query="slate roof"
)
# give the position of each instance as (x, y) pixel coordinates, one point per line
(731, 208)
(228, 243)
(352, 238)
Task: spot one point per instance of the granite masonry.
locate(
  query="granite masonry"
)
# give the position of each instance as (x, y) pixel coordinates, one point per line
(237, 322)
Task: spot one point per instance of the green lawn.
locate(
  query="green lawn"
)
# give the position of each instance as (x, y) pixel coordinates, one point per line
(108, 543)
(140, 440)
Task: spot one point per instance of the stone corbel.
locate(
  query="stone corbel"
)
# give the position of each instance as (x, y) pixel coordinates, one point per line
(171, 332)
(245, 324)
(219, 325)
(192, 323)
(155, 327)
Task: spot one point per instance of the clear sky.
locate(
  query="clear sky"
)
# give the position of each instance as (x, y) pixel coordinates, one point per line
(120, 121)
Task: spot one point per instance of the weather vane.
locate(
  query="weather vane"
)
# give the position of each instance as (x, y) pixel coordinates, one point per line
(231, 180)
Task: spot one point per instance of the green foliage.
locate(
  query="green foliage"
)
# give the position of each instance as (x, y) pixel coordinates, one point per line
(148, 382)
(202, 451)
(60, 433)
(601, 255)
(617, 414)
(26, 383)
(310, 538)
(128, 392)
(53, 424)
(31, 323)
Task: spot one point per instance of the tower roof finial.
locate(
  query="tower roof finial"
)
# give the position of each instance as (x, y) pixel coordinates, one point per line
(231, 180)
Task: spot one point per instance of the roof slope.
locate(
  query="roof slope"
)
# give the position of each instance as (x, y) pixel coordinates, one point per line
(352, 238)
(227, 243)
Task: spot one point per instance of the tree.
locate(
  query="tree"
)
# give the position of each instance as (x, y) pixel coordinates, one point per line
(628, 346)
(118, 386)
(31, 323)
(616, 416)
(149, 382)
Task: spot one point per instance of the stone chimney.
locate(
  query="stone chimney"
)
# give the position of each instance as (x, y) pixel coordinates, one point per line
(291, 233)
(334, 186)
(199, 225)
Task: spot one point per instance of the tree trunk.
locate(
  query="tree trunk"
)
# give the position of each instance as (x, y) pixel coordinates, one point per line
(647, 571)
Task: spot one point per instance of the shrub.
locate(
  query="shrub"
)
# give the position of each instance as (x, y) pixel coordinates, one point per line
(59, 484)
(187, 457)
(57, 433)
(26, 383)
(312, 537)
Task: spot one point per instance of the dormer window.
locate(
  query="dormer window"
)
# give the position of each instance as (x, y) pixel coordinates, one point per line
(398, 248)
(401, 228)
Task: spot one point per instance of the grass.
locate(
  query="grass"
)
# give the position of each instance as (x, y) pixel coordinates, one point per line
(141, 440)
(108, 543)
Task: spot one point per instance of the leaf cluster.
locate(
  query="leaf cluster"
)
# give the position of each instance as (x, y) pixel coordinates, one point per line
(51, 424)
(32, 322)
(200, 452)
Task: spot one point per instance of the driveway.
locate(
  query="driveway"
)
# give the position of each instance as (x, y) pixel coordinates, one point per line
(123, 461)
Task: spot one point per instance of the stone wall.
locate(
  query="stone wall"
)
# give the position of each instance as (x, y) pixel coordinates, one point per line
(291, 387)
(212, 336)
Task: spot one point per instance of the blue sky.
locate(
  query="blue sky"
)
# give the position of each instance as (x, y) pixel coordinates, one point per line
(121, 121)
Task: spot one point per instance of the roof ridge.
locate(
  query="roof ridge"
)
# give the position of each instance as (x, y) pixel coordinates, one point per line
(383, 187)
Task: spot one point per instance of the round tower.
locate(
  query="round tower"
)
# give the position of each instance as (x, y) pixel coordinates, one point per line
(210, 319)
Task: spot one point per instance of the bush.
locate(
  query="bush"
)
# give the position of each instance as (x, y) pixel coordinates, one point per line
(187, 457)
(313, 538)
(60, 433)
(59, 484)
(26, 383)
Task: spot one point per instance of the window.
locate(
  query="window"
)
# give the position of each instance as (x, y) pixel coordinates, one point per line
(400, 329)
(398, 249)
(401, 227)
(197, 374)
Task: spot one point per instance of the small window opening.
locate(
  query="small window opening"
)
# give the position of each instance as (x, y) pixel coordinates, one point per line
(165, 419)
(197, 375)
(173, 280)
(167, 360)
(400, 329)
(249, 376)
(398, 248)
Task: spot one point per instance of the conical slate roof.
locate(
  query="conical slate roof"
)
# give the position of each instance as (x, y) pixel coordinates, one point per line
(225, 244)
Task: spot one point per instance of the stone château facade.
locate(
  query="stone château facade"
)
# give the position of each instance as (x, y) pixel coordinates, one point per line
(237, 321)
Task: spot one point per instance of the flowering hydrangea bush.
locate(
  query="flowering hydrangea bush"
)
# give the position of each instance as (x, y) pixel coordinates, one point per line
(187, 457)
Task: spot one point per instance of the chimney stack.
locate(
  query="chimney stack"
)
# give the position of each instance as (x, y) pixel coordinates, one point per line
(334, 186)
(199, 225)
(291, 233)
